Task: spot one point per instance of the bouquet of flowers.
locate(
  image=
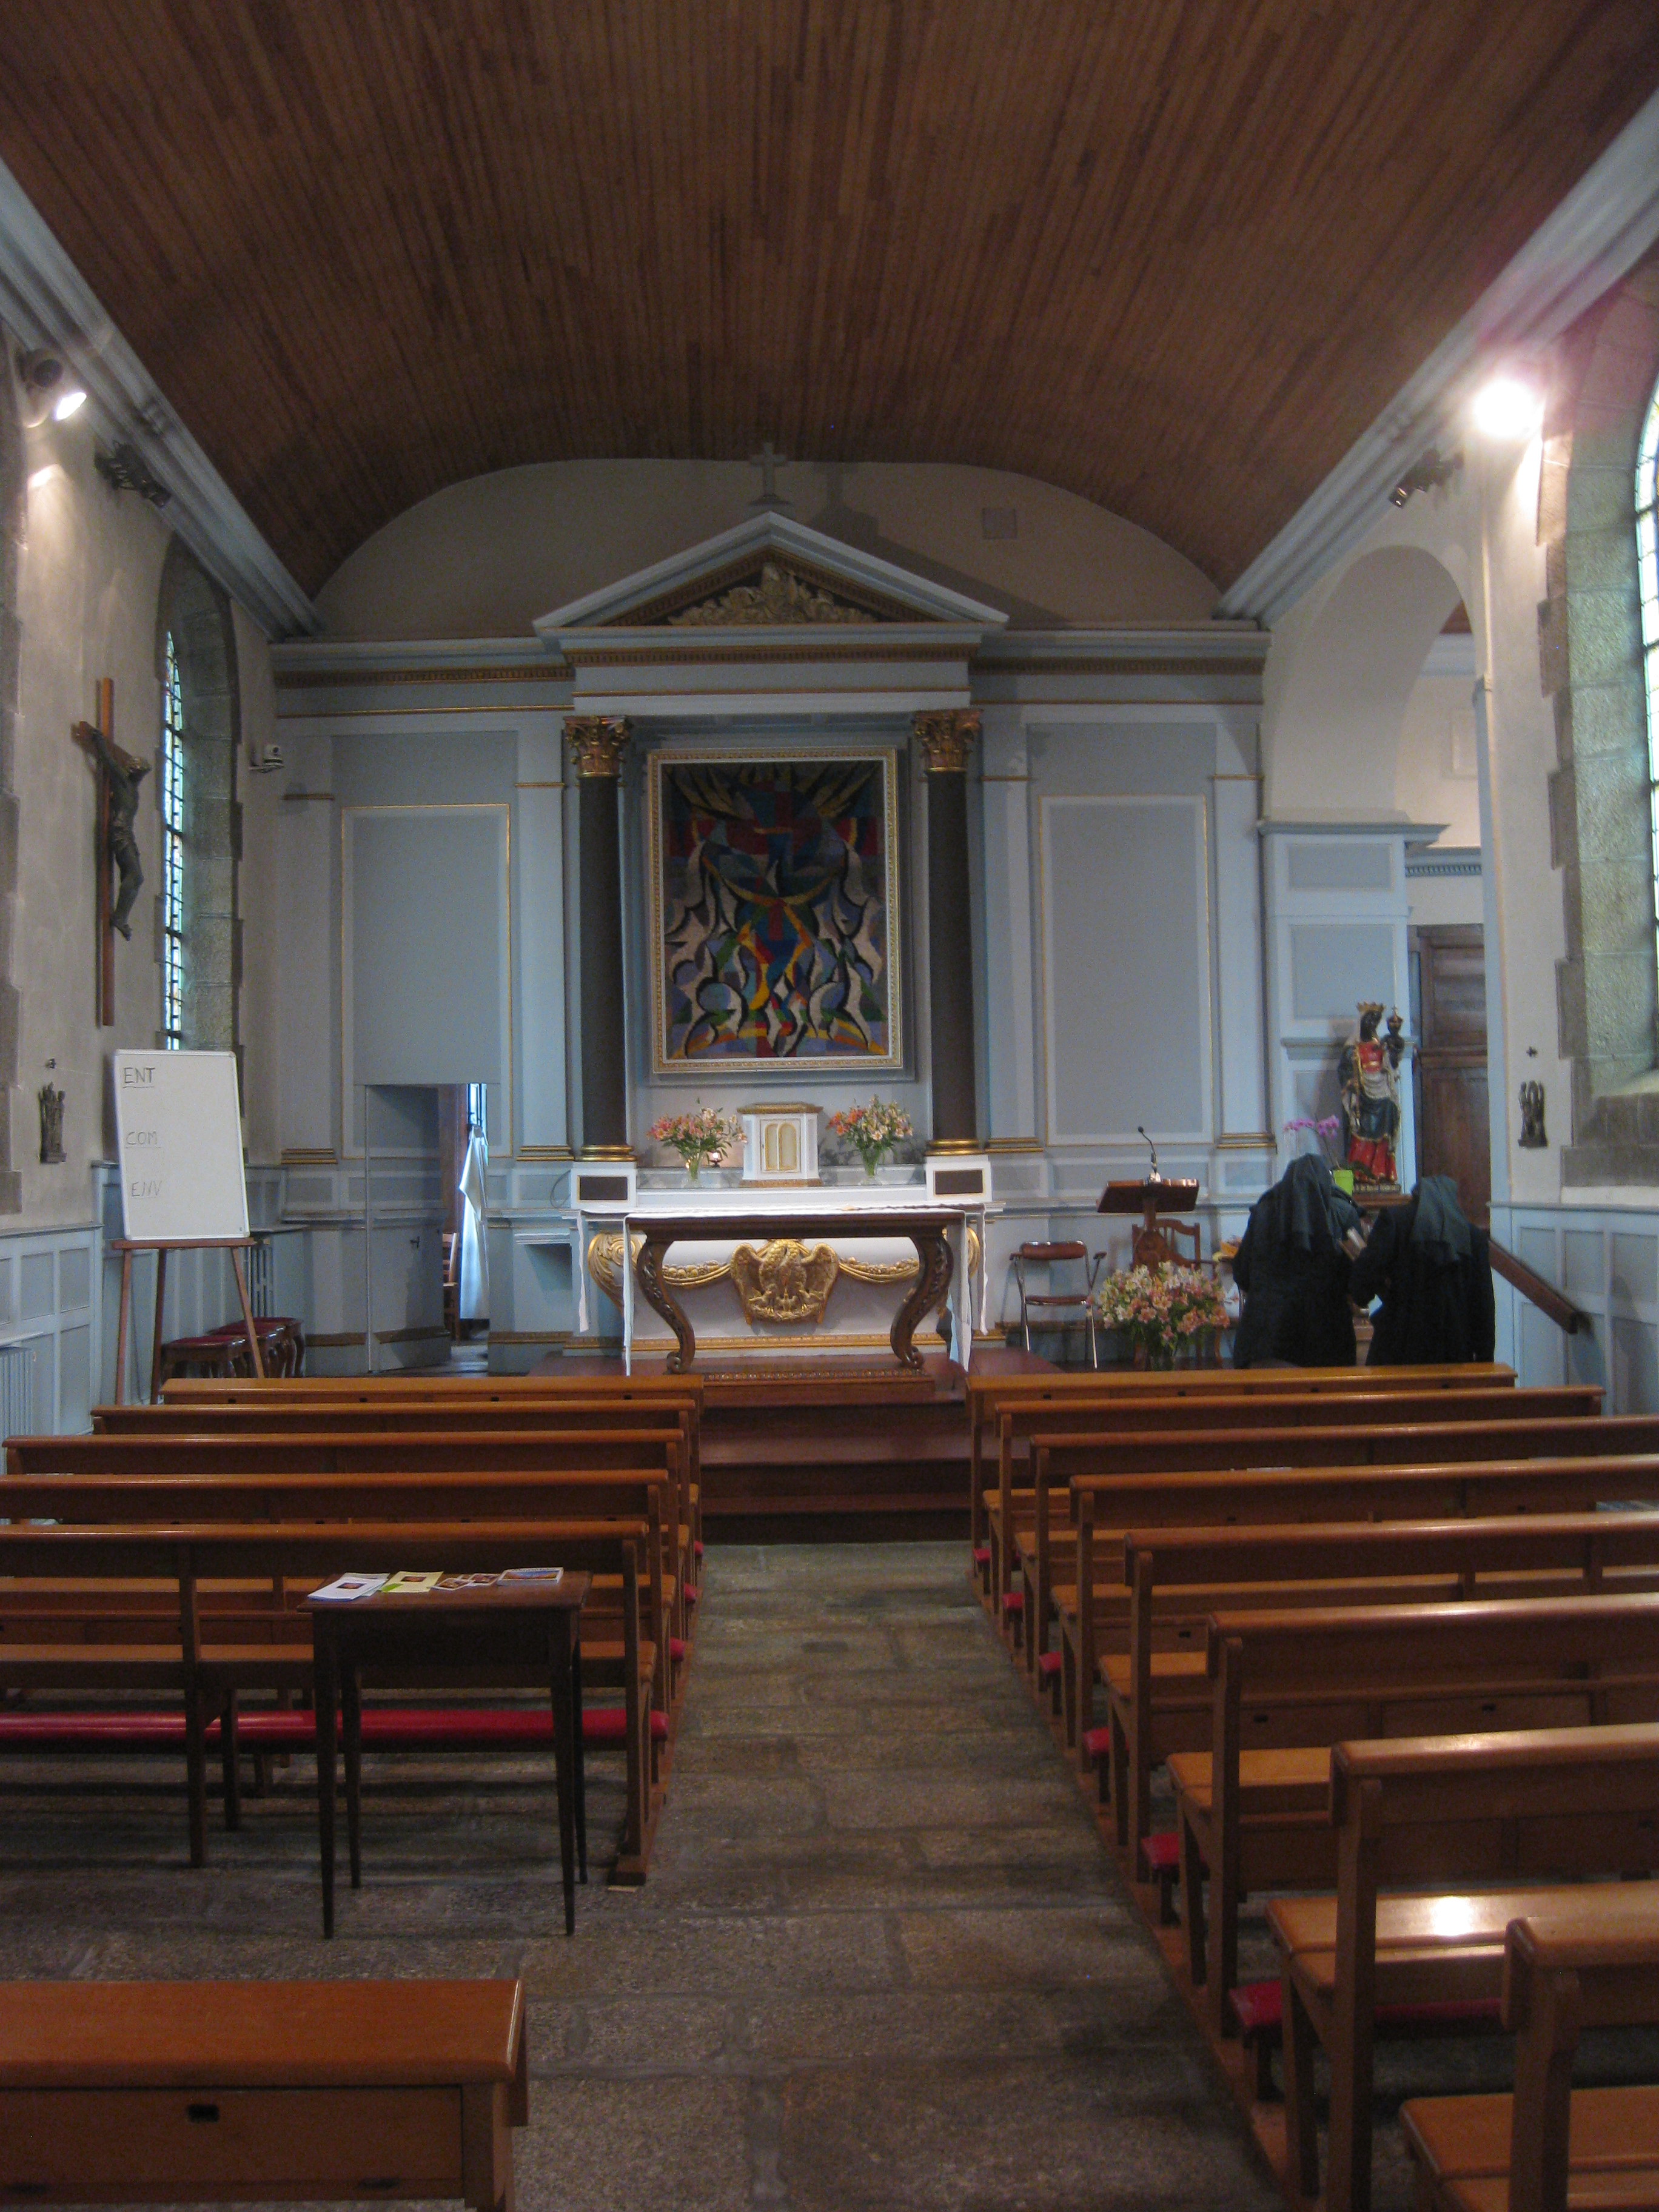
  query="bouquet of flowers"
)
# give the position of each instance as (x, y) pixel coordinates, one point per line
(873, 1130)
(1161, 1308)
(697, 1136)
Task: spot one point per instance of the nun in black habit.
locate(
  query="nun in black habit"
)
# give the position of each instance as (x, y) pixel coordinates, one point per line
(1432, 1268)
(1294, 1272)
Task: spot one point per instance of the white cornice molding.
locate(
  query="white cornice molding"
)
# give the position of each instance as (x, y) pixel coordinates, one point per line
(1201, 644)
(322, 658)
(1595, 236)
(762, 533)
(45, 300)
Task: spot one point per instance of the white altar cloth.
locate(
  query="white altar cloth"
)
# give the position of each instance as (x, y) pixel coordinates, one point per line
(817, 1210)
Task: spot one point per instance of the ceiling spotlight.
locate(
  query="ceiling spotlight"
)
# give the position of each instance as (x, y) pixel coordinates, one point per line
(1508, 407)
(48, 386)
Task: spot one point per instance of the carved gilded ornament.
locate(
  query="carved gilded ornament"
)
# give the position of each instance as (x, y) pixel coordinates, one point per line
(597, 742)
(784, 1281)
(945, 736)
(780, 597)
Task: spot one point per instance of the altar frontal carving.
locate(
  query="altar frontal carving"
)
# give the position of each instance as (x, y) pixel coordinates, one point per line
(775, 904)
(781, 1281)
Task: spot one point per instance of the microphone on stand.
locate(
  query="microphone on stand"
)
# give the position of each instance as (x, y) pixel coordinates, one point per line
(1152, 1175)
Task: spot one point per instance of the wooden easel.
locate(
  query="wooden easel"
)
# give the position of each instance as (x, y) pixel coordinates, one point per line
(126, 1247)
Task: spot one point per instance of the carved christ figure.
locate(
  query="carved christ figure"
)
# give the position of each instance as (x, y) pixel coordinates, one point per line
(123, 776)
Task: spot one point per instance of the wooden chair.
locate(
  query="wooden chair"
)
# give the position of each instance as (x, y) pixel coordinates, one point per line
(1156, 1248)
(1050, 1256)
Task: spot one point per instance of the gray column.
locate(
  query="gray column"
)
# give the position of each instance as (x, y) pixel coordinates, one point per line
(943, 740)
(596, 743)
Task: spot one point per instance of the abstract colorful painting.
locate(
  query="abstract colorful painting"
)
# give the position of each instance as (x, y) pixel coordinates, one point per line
(776, 888)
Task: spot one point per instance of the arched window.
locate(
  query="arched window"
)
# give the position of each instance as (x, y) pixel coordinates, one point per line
(200, 820)
(1647, 577)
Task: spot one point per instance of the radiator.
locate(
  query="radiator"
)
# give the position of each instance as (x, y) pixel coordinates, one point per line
(257, 1259)
(17, 1390)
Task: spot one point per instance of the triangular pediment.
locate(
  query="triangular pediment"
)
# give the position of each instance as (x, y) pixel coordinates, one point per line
(769, 574)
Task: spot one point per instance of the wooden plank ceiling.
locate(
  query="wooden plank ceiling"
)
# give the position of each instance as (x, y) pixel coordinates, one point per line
(1171, 254)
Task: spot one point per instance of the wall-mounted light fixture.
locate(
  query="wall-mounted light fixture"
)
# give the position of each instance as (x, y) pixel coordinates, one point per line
(1432, 473)
(1508, 407)
(48, 386)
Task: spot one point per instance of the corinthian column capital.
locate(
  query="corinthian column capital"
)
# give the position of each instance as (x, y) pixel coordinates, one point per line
(944, 735)
(597, 742)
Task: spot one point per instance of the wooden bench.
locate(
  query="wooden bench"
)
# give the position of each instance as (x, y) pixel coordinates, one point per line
(1591, 1961)
(1157, 1696)
(1294, 1683)
(986, 1393)
(581, 1493)
(206, 1657)
(1452, 1817)
(1017, 1426)
(330, 1451)
(1060, 1459)
(1068, 1468)
(1092, 1610)
(182, 2093)
(394, 1410)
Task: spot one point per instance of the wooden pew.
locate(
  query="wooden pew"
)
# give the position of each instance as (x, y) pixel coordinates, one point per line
(1474, 1824)
(986, 1393)
(179, 2093)
(397, 1413)
(1301, 1681)
(1023, 1427)
(476, 1494)
(330, 1451)
(1157, 1694)
(1583, 1962)
(1092, 1609)
(1078, 1465)
(206, 1672)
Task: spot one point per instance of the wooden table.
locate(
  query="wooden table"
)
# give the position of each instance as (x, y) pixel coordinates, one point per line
(178, 2092)
(513, 1625)
(930, 1232)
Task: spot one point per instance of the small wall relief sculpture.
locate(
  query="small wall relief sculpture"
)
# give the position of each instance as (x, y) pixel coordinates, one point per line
(1532, 1138)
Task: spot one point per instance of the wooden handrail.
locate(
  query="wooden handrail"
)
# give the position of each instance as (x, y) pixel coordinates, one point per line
(1549, 1301)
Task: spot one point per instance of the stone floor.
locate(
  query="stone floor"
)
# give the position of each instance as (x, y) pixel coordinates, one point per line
(881, 1961)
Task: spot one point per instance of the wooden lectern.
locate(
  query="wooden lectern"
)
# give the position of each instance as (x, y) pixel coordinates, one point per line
(1156, 1194)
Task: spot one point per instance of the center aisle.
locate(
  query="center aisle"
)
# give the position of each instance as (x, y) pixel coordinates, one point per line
(887, 1963)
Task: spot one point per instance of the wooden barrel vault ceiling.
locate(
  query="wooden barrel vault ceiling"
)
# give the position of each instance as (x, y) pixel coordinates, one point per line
(1172, 257)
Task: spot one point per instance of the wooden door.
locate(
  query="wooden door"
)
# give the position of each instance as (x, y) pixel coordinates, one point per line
(1453, 1130)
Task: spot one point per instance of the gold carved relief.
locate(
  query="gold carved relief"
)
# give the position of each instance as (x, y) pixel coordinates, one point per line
(597, 742)
(605, 1265)
(944, 736)
(785, 1280)
(779, 596)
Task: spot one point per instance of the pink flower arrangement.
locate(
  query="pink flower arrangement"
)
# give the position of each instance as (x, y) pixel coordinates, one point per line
(697, 1136)
(1324, 1132)
(1160, 1308)
(873, 1129)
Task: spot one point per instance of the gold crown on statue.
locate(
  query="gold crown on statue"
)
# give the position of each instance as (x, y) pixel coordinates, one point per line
(1370, 1005)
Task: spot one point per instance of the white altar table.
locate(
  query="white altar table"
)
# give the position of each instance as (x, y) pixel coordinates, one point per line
(718, 1220)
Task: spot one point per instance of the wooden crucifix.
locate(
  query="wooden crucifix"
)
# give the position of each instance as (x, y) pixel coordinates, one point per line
(120, 877)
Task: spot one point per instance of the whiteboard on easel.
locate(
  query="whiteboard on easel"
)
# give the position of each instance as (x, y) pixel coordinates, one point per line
(179, 1139)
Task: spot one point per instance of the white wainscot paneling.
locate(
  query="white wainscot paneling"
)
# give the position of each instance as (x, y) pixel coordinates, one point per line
(1126, 970)
(48, 1290)
(1606, 1259)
